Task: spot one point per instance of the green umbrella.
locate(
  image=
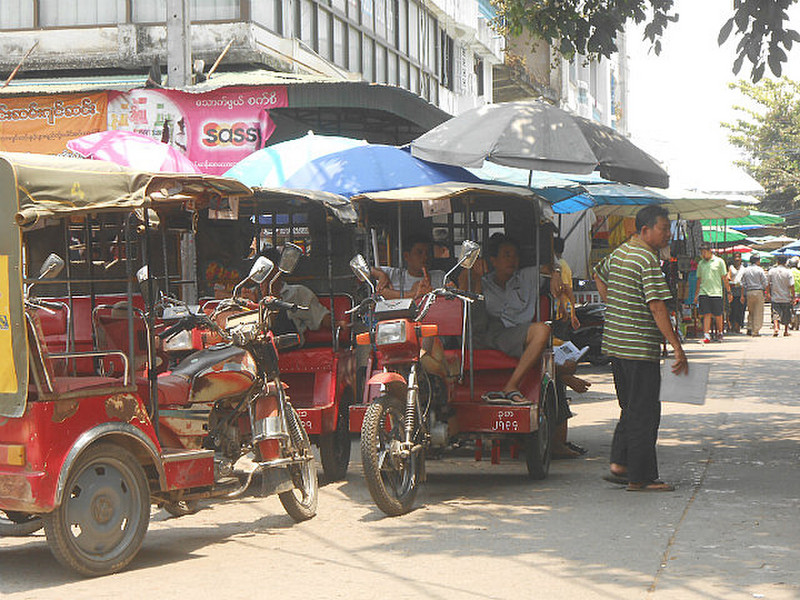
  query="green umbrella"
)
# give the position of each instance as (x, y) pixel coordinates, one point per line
(754, 218)
(719, 235)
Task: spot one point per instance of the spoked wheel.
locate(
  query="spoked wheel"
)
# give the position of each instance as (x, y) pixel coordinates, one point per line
(301, 502)
(538, 446)
(103, 516)
(181, 508)
(17, 524)
(392, 479)
(334, 447)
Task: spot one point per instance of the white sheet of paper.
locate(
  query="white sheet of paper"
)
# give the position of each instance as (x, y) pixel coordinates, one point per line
(688, 389)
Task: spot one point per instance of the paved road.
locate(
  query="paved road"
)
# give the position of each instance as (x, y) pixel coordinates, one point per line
(731, 530)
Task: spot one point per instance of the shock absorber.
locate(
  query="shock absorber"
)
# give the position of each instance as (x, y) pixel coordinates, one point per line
(411, 402)
(293, 424)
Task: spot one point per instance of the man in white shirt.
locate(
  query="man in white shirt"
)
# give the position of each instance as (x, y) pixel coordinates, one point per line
(781, 291)
(415, 279)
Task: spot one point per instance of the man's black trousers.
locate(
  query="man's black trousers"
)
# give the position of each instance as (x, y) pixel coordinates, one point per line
(638, 384)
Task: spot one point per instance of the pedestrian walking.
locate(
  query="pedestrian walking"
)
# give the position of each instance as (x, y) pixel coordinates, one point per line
(712, 279)
(754, 292)
(781, 290)
(632, 285)
(736, 312)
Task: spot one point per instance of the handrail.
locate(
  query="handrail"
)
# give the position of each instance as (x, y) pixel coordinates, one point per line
(95, 354)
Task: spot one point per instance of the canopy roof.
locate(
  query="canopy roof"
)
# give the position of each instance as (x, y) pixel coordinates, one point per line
(452, 189)
(53, 185)
(338, 206)
(681, 208)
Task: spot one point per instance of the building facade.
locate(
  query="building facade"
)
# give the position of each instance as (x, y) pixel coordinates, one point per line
(442, 51)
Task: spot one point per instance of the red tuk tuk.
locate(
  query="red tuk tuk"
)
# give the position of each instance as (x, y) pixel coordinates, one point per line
(406, 410)
(90, 432)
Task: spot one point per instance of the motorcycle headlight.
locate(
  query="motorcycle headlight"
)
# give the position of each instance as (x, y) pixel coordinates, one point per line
(390, 332)
(180, 342)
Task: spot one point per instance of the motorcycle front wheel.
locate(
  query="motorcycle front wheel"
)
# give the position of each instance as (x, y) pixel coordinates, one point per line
(392, 479)
(301, 502)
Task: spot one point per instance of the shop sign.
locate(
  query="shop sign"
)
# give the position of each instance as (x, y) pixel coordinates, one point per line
(44, 124)
(214, 129)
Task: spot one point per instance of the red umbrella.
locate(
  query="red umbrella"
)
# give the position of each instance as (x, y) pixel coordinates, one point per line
(132, 150)
(735, 250)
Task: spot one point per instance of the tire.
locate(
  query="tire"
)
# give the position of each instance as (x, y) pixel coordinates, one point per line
(301, 502)
(101, 521)
(392, 481)
(538, 444)
(334, 447)
(16, 524)
(182, 508)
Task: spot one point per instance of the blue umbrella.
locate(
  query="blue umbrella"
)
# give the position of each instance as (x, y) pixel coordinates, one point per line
(372, 168)
(271, 166)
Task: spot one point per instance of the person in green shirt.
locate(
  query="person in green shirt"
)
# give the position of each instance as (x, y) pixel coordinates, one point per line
(712, 278)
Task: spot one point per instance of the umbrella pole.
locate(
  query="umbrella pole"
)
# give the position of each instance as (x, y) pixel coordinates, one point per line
(467, 223)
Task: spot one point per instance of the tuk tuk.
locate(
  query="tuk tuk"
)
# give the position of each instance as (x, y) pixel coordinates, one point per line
(320, 375)
(92, 428)
(407, 411)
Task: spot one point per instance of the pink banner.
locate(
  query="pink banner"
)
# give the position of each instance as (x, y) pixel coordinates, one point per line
(214, 129)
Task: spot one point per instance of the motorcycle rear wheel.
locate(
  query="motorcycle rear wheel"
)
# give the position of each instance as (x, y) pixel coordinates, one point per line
(538, 444)
(334, 447)
(393, 481)
(301, 502)
(15, 524)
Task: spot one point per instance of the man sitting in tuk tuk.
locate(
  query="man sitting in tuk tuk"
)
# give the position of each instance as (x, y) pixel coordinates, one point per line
(316, 317)
(507, 322)
(413, 281)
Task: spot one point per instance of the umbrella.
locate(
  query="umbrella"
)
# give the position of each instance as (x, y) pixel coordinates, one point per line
(754, 219)
(372, 168)
(132, 150)
(271, 166)
(739, 249)
(720, 235)
(688, 207)
(772, 242)
(534, 135)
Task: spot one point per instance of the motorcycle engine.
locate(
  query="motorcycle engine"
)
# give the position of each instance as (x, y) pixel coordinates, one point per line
(225, 437)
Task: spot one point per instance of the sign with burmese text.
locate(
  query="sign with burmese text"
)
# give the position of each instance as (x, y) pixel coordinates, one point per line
(44, 124)
(214, 129)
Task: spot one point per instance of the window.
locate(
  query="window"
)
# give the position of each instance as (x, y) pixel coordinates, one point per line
(307, 23)
(413, 30)
(403, 73)
(354, 50)
(414, 80)
(380, 18)
(391, 24)
(57, 13)
(478, 63)
(430, 37)
(380, 63)
(447, 61)
(367, 59)
(392, 69)
(213, 10)
(338, 4)
(324, 34)
(402, 26)
(340, 43)
(367, 14)
(16, 14)
(353, 11)
(278, 228)
(268, 13)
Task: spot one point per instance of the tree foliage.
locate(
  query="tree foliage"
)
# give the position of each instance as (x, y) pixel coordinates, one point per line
(590, 27)
(769, 136)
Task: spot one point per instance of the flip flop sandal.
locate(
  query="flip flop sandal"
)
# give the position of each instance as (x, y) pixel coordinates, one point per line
(575, 448)
(494, 398)
(517, 398)
(653, 486)
(618, 479)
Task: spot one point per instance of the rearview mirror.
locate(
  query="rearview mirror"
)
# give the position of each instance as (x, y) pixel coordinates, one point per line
(360, 268)
(260, 270)
(290, 254)
(468, 254)
(51, 267)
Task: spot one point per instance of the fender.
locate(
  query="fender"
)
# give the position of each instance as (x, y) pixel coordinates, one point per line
(101, 431)
(387, 378)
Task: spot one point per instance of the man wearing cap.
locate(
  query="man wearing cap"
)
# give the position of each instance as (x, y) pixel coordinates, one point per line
(712, 278)
(754, 292)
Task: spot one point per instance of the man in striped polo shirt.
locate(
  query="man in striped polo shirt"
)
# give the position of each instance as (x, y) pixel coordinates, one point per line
(632, 285)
